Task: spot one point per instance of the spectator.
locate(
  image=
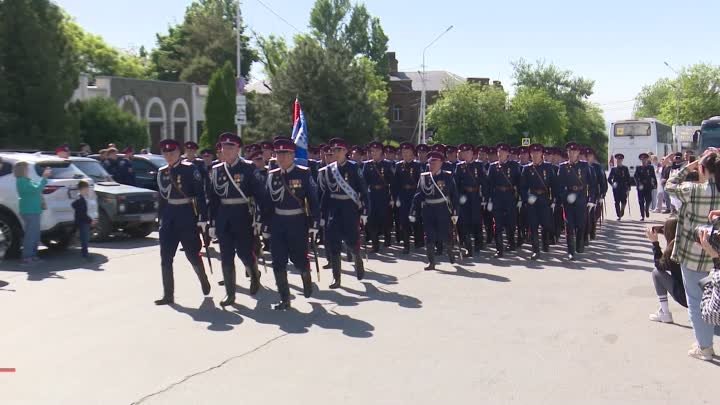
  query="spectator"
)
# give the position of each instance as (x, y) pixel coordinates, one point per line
(667, 276)
(85, 150)
(697, 200)
(656, 191)
(82, 219)
(31, 205)
(668, 169)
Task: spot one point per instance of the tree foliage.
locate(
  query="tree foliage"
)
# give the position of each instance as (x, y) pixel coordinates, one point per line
(696, 92)
(471, 113)
(266, 119)
(201, 44)
(539, 115)
(220, 106)
(100, 121)
(38, 73)
(97, 58)
(273, 52)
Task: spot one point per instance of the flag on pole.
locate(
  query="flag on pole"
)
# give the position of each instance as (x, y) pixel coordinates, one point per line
(300, 133)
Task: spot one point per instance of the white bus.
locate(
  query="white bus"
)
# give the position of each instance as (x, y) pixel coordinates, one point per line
(633, 137)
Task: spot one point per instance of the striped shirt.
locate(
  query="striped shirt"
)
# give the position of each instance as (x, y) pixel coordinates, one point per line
(697, 199)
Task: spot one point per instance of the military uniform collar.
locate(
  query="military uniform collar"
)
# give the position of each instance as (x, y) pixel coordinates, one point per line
(234, 163)
(289, 169)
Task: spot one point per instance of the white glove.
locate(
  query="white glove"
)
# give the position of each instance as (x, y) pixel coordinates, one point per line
(397, 203)
(412, 218)
(552, 206)
(266, 236)
(454, 219)
(201, 224)
(363, 219)
(614, 185)
(313, 232)
(490, 206)
(392, 203)
(322, 222)
(484, 205)
(519, 204)
(591, 205)
(211, 233)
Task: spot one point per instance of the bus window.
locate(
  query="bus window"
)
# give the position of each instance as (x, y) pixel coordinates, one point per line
(632, 129)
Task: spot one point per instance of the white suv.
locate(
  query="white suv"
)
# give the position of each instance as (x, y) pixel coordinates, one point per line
(57, 225)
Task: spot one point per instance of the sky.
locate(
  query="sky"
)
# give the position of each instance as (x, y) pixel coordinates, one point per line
(621, 45)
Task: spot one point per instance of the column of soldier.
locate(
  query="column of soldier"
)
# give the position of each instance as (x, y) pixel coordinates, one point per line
(445, 198)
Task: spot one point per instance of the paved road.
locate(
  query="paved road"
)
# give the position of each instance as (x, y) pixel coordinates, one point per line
(487, 332)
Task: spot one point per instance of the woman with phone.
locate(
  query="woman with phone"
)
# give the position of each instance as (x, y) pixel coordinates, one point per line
(667, 276)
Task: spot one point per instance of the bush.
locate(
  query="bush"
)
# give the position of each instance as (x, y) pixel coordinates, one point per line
(100, 121)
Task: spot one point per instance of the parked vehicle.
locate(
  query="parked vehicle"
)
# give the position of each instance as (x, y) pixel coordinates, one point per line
(132, 210)
(146, 167)
(57, 225)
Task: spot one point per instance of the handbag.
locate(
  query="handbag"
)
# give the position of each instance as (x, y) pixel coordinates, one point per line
(710, 301)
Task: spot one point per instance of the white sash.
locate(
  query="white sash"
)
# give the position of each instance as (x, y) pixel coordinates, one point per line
(232, 180)
(447, 202)
(346, 188)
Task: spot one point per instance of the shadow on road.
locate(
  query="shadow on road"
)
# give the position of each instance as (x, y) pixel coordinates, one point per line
(126, 242)
(463, 272)
(53, 263)
(217, 319)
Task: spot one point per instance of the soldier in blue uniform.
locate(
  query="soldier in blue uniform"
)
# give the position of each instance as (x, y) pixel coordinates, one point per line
(471, 184)
(645, 182)
(577, 191)
(291, 215)
(537, 183)
(191, 155)
(620, 181)
(436, 199)
(328, 157)
(601, 190)
(121, 167)
(182, 214)
(236, 189)
(407, 174)
(485, 154)
(503, 182)
(345, 200)
(378, 175)
(452, 156)
(266, 147)
(422, 151)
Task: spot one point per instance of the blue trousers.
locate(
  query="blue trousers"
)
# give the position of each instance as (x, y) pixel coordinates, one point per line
(289, 238)
(436, 220)
(31, 239)
(342, 226)
(84, 234)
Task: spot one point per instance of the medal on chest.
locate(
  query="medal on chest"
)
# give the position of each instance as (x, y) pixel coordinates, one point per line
(238, 178)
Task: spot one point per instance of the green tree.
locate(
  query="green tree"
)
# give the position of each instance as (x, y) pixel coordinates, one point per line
(39, 73)
(220, 106)
(205, 40)
(696, 92)
(539, 115)
(471, 113)
(378, 48)
(99, 121)
(97, 58)
(266, 119)
(273, 52)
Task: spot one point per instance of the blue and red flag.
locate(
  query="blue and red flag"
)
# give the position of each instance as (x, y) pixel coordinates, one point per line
(300, 133)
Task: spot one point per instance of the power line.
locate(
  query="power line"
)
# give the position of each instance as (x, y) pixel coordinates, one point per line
(268, 8)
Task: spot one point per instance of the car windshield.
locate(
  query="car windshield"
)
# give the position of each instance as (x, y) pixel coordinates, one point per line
(94, 170)
(157, 161)
(632, 129)
(60, 170)
(710, 137)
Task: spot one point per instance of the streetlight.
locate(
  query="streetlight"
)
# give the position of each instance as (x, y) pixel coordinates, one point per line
(423, 102)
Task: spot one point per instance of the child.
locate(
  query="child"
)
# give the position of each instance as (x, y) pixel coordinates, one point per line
(82, 220)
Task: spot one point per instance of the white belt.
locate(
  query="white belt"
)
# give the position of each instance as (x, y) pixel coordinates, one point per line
(178, 201)
(340, 197)
(435, 201)
(233, 201)
(288, 213)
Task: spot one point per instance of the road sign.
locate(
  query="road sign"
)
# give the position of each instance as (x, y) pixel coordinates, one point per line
(241, 110)
(526, 142)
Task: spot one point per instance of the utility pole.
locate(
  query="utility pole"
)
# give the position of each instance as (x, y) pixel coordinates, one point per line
(677, 94)
(422, 127)
(240, 100)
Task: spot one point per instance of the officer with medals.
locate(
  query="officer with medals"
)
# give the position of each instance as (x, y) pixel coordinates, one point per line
(436, 200)
(645, 182)
(620, 181)
(558, 220)
(232, 219)
(191, 155)
(577, 190)
(290, 214)
(378, 175)
(471, 183)
(182, 213)
(345, 200)
(327, 156)
(503, 182)
(536, 187)
(407, 175)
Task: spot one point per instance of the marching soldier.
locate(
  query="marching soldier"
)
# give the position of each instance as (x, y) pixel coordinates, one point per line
(619, 179)
(422, 151)
(407, 175)
(378, 175)
(471, 183)
(290, 215)
(452, 156)
(235, 184)
(328, 157)
(266, 147)
(191, 155)
(601, 190)
(345, 200)
(436, 199)
(536, 186)
(182, 215)
(576, 189)
(390, 153)
(646, 182)
(503, 181)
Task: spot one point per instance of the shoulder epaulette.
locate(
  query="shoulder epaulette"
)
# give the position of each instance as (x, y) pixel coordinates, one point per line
(216, 165)
(186, 163)
(303, 168)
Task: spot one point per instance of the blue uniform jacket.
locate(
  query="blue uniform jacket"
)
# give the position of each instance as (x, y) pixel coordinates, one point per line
(294, 189)
(576, 178)
(226, 180)
(181, 181)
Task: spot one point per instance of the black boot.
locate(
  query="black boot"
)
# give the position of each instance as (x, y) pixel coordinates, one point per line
(254, 279)
(535, 246)
(328, 265)
(204, 282)
(406, 245)
(335, 262)
(545, 241)
(375, 245)
(468, 247)
(439, 247)
(359, 266)
(479, 241)
(570, 245)
(229, 278)
(579, 243)
(511, 241)
(307, 283)
(165, 301)
(281, 280)
(617, 211)
(168, 282)
(499, 244)
(451, 255)
(431, 260)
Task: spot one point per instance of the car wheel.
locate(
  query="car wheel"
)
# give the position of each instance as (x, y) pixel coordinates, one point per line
(61, 242)
(103, 228)
(141, 231)
(10, 236)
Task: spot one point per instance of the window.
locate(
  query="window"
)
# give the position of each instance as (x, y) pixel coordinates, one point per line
(60, 170)
(664, 133)
(5, 168)
(632, 129)
(397, 113)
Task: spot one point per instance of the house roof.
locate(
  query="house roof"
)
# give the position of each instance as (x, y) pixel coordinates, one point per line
(435, 80)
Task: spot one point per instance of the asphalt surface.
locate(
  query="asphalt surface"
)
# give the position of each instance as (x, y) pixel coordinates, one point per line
(484, 331)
